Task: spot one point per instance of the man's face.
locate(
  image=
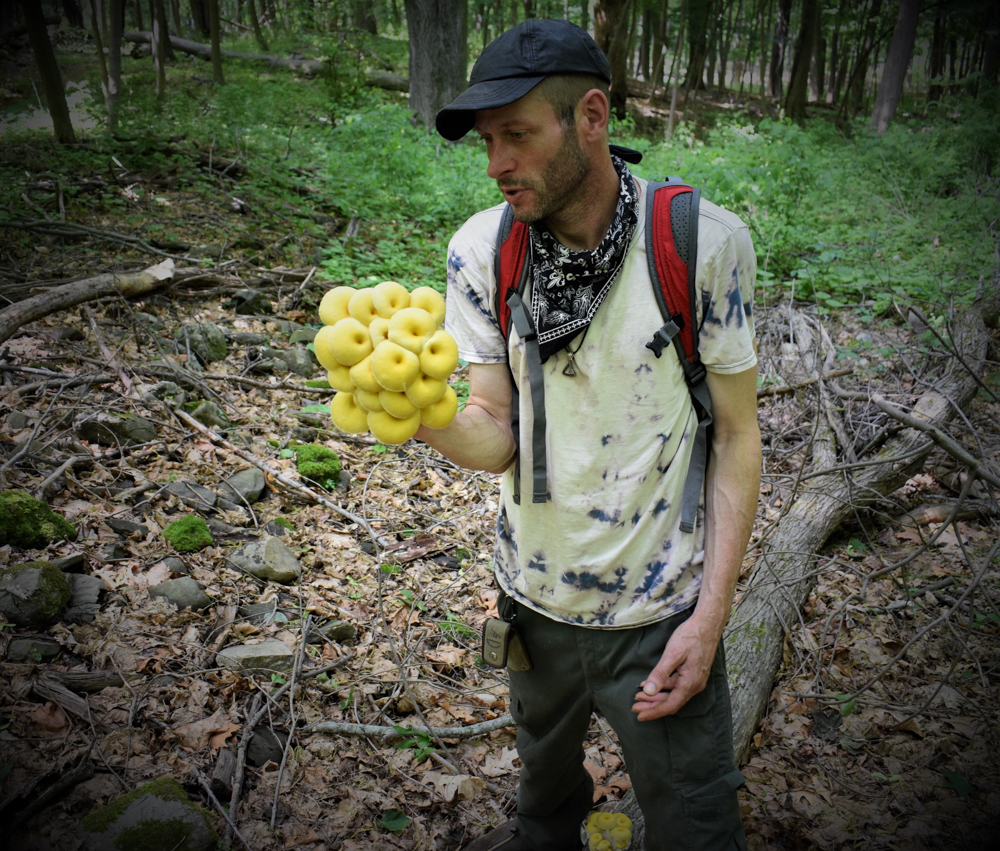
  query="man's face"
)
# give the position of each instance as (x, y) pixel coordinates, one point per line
(536, 161)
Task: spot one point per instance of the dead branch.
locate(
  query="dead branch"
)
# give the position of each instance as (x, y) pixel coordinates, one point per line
(308, 67)
(374, 731)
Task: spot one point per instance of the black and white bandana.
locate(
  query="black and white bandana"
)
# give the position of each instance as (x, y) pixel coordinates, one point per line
(567, 286)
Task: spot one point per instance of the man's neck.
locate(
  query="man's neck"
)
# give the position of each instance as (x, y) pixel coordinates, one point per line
(582, 224)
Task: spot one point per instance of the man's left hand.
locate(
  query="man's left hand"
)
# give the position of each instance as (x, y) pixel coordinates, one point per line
(682, 671)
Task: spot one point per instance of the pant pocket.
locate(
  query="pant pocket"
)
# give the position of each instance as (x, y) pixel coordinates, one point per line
(712, 815)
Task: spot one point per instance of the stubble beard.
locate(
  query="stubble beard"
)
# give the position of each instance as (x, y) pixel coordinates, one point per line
(562, 179)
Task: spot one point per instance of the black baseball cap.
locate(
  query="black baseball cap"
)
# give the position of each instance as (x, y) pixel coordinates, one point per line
(517, 61)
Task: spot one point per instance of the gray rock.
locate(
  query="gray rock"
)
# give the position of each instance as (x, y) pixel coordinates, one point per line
(266, 746)
(225, 505)
(303, 335)
(17, 420)
(156, 815)
(73, 563)
(113, 553)
(273, 528)
(865, 337)
(206, 339)
(33, 594)
(108, 429)
(126, 527)
(183, 593)
(85, 596)
(298, 360)
(338, 631)
(193, 494)
(252, 303)
(284, 326)
(305, 434)
(270, 558)
(245, 485)
(211, 415)
(263, 613)
(67, 333)
(246, 338)
(154, 323)
(269, 655)
(165, 391)
(219, 529)
(174, 565)
(37, 648)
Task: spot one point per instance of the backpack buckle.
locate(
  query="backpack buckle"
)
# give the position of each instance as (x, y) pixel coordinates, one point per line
(695, 373)
(665, 335)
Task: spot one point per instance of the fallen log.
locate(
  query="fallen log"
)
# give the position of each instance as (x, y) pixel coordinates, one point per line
(127, 284)
(308, 67)
(786, 569)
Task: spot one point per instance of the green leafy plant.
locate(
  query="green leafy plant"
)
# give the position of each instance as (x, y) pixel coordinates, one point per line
(421, 743)
(395, 821)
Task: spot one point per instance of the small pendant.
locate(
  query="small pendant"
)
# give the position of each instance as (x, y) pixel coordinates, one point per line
(570, 368)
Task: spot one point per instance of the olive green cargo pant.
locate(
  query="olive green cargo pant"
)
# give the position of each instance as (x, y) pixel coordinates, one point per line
(681, 767)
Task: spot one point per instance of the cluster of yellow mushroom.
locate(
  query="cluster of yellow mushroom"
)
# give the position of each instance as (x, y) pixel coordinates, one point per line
(608, 831)
(388, 358)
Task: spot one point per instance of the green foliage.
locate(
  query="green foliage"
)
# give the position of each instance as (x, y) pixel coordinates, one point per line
(188, 534)
(27, 522)
(421, 743)
(395, 821)
(318, 464)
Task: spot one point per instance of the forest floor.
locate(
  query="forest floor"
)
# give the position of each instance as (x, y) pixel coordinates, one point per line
(913, 762)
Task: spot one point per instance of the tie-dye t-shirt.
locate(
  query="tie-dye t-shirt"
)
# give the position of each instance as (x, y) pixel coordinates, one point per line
(607, 550)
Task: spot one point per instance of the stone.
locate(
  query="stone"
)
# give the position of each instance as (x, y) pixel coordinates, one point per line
(269, 655)
(164, 391)
(174, 565)
(206, 339)
(113, 553)
(193, 494)
(305, 434)
(246, 338)
(33, 594)
(266, 746)
(338, 631)
(303, 335)
(211, 415)
(154, 323)
(188, 534)
(220, 529)
(270, 558)
(17, 420)
(245, 486)
(282, 326)
(28, 523)
(128, 528)
(263, 613)
(251, 302)
(114, 429)
(185, 593)
(154, 817)
(37, 648)
(298, 360)
(73, 563)
(274, 527)
(67, 333)
(85, 598)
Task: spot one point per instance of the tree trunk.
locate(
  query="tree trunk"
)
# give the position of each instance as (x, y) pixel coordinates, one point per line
(698, 17)
(200, 14)
(255, 24)
(438, 54)
(117, 24)
(137, 14)
(777, 70)
(175, 15)
(675, 71)
(783, 576)
(817, 76)
(95, 32)
(991, 53)
(73, 13)
(611, 25)
(306, 67)
(890, 89)
(856, 83)
(798, 86)
(48, 70)
(364, 16)
(646, 44)
(727, 40)
(214, 26)
(127, 284)
(160, 40)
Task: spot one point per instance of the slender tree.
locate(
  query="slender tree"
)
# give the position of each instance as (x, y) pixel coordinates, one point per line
(855, 88)
(698, 17)
(611, 31)
(438, 54)
(201, 16)
(73, 13)
(798, 86)
(777, 70)
(890, 89)
(161, 38)
(255, 25)
(991, 53)
(215, 31)
(48, 70)
(116, 8)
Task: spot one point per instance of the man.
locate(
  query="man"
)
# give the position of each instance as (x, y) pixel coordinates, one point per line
(619, 610)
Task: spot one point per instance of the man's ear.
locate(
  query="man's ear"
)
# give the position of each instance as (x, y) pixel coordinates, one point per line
(592, 113)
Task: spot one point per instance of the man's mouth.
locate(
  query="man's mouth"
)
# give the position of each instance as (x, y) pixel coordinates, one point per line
(512, 193)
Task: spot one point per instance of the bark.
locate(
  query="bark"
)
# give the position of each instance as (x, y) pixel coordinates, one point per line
(137, 14)
(856, 84)
(777, 70)
(674, 73)
(199, 12)
(991, 57)
(214, 27)
(19, 314)
(364, 16)
(937, 57)
(160, 39)
(727, 41)
(890, 89)
(73, 13)
(307, 67)
(817, 76)
(798, 87)
(95, 32)
(698, 16)
(255, 24)
(611, 24)
(438, 54)
(781, 581)
(48, 70)
(117, 9)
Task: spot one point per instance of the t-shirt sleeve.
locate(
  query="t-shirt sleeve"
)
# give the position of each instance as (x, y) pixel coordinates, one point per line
(471, 286)
(727, 278)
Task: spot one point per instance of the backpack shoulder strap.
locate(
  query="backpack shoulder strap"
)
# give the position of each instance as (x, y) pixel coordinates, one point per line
(672, 252)
(509, 265)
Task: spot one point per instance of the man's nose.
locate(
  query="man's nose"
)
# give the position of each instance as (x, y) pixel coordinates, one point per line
(501, 162)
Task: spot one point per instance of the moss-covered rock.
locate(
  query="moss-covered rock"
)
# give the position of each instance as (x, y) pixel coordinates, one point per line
(154, 817)
(319, 464)
(26, 522)
(33, 594)
(188, 534)
(207, 341)
(113, 428)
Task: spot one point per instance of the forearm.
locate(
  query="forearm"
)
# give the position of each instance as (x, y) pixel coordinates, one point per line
(475, 439)
(733, 487)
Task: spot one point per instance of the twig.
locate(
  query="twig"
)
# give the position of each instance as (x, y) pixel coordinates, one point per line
(53, 477)
(231, 825)
(263, 385)
(109, 356)
(342, 728)
(241, 764)
(306, 624)
(774, 390)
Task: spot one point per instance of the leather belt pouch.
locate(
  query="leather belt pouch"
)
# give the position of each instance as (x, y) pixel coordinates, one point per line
(502, 646)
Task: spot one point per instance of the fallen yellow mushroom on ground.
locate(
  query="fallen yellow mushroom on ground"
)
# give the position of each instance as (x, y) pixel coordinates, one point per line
(608, 831)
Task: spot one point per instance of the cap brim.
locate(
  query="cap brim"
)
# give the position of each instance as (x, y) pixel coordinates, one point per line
(630, 155)
(458, 117)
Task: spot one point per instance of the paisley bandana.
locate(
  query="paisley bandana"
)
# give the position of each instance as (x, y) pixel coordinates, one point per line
(567, 286)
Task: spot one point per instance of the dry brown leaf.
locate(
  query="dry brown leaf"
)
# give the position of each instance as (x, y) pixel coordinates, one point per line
(500, 764)
(219, 739)
(455, 787)
(51, 718)
(197, 734)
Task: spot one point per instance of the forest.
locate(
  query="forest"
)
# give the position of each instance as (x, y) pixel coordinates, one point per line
(227, 623)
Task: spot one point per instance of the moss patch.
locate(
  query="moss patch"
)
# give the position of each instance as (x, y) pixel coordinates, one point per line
(188, 534)
(26, 522)
(318, 463)
(53, 593)
(285, 522)
(164, 788)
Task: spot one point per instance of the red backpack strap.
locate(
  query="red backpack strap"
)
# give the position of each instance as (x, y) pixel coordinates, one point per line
(509, 265)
